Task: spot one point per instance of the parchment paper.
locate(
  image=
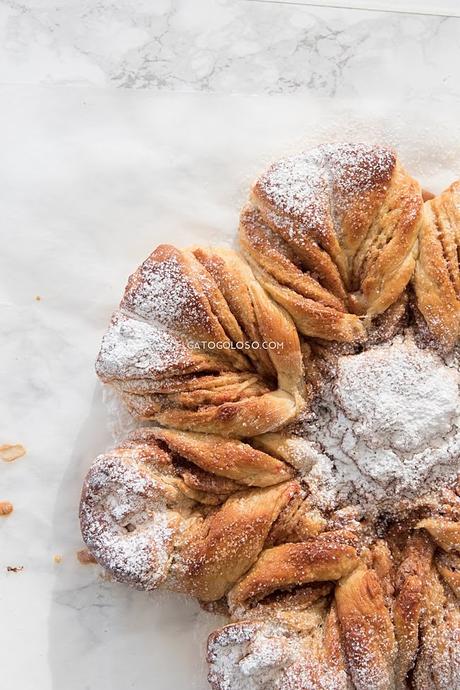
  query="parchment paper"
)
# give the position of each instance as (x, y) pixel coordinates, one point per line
(91, 181)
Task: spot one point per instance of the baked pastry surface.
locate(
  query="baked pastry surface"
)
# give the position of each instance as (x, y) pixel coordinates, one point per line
(300, 467)
(197, 344)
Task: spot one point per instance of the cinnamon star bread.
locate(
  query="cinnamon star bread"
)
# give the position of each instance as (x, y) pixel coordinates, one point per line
(297, 460)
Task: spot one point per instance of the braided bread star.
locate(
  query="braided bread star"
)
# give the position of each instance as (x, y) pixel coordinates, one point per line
(309, 490)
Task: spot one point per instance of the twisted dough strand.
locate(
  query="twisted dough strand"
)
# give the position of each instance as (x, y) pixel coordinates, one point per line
(437, 273)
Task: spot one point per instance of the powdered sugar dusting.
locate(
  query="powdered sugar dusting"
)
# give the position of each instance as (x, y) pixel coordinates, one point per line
(269, 655)
(124, 521)
(250, 656)
(301, 186)
(135, 349)
(386, 429)
(163, 292)
(313, 674)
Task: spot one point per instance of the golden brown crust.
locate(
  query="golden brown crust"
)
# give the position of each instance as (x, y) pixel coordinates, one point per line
(215, 552)
(445, 533)
(315, 310)
(288, 565)
(437, 275)
(367, 630)
(248, 417)
(334, 652)
(410, 592)
(224, 457)
(385, 261)
(448, 566)
(438, 660)
(331, 234)
(234, 280)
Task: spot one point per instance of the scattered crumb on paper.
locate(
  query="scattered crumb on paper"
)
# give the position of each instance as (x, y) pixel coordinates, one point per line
(6, 508)
(14, 568)
(10, 452)
(57, 558)
(85, 557)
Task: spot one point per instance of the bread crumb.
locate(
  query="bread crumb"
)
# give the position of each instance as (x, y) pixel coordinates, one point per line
(37, 298)
(85, 557)
(14, 568)
(9, 452)
(57, 558)
(6, 508)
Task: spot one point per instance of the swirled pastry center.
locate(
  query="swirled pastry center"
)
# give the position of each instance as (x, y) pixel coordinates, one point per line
(386, 428)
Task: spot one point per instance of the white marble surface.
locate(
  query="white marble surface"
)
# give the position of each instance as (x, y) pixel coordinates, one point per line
(92, 177)
(241, 46)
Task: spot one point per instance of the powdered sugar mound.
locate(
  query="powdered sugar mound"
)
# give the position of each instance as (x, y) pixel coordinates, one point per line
(408, 395)
(124, 521)
(301, 186)
(387, 428)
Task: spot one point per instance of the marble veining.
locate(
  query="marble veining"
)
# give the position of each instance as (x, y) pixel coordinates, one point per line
(222, 46)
